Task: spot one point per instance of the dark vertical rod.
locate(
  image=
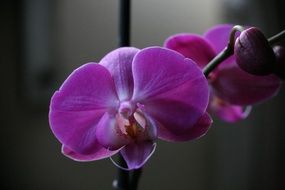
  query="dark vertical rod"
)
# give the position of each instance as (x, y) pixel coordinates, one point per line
(135, 179)
(124, 40)
(124, 23)
(123, 176)
(125, 181)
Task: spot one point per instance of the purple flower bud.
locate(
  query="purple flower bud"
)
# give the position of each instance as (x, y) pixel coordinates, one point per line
(253, 52)
(279, 68)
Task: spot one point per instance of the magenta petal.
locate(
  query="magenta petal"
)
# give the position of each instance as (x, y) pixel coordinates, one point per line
(173, 90)
(78, 106)
(119, 64)
(228, 112)
(218, 36)
(109, 134)
(89, 87)
(76, 129)
(136, 154)
(192, 46)
(238, 87)
(99, 153)
(196, 131)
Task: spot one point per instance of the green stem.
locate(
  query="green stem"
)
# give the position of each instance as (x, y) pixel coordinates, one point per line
(223, 55)
(235, 29)
(277, 37)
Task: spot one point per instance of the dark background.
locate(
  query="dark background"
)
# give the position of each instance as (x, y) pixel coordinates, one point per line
(42, 41)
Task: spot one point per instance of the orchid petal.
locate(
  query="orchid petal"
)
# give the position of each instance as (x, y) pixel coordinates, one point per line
(218, 36)
(228, 112)
(192, 46)
(109, 134)
(78, 106)
(89, 87)
(119, 64)
(100, 153)
(196, 131)
(240, 88)
(172, 89)
(136, 154)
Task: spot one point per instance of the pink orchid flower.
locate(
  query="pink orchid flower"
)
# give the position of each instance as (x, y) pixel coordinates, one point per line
(127, 101)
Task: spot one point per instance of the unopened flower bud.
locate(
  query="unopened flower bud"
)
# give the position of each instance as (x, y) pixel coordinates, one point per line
(253, 52)
(279, 68)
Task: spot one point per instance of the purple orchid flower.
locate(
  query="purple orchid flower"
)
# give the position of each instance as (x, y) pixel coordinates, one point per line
(127, 101)
(233, 91)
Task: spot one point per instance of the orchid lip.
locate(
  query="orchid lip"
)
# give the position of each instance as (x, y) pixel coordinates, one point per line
(137, 167)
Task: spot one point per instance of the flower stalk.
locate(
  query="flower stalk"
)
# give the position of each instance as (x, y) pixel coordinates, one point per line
(223, 55)
(276, 38)
(124, 40)
(135, 179)
(122, 181)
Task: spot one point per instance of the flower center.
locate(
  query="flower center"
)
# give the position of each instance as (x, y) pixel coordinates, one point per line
(218, 101)
(126, 109)
(130, 119)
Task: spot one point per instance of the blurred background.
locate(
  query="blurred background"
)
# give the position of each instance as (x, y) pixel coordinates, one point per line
(43, 41)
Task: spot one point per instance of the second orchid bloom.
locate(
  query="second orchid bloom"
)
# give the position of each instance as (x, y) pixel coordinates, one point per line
(233, 90)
